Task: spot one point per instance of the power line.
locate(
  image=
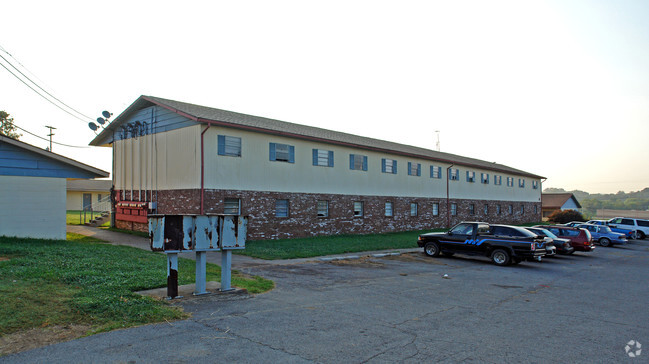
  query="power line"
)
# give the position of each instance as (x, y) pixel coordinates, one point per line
(30, 80)
(47, 140)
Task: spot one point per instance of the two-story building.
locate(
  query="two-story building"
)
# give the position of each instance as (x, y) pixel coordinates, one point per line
(295, 180)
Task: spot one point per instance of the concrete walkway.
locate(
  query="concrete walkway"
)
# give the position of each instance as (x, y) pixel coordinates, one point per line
(238, 261)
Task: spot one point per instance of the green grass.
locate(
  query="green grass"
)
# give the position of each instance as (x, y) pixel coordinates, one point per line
(75, 217)
(328, 245)
(82, 281)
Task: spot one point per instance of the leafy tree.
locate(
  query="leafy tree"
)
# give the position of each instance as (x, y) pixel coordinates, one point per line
(7, 127)
(564, 216)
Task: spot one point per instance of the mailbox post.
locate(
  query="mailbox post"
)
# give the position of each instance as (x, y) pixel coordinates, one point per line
(173, 234)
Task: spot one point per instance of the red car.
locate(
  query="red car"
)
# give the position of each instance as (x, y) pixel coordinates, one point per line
(580, 239)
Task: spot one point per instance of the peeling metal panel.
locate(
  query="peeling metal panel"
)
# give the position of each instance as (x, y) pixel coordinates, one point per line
(188, 233)
(206, 233)
(233, 231)
(156, 232)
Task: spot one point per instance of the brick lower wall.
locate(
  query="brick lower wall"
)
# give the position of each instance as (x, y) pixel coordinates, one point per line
(303, 220)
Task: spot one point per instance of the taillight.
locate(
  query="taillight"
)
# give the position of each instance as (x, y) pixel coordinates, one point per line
(533, 246)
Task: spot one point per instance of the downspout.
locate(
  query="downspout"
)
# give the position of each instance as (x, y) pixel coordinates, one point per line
(448, 201)
(203, 169)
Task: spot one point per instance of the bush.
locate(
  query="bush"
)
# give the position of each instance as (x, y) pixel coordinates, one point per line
(564, 216)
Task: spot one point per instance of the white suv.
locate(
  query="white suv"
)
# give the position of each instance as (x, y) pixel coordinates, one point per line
(640, 226)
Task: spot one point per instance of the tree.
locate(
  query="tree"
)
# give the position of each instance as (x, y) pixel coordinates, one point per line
(7, 127)
(564, 216)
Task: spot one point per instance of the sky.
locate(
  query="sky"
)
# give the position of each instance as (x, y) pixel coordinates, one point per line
(555, 88)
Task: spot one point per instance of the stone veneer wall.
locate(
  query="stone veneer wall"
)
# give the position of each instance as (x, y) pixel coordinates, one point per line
(303, 220)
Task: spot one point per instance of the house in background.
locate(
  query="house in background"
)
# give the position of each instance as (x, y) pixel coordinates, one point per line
(33, 189)
(550, 202)
(295, 180)
(91, 194)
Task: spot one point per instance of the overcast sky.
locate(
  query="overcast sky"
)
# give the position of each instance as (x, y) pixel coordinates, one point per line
(556, 88)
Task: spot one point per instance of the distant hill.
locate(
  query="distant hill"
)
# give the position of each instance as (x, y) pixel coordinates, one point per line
(638, 200)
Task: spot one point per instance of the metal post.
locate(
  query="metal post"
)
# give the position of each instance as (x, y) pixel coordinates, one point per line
(172, 276)
(226, 270)
(201, 273)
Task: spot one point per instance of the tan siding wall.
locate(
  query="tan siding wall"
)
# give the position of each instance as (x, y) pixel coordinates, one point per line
(74, 199)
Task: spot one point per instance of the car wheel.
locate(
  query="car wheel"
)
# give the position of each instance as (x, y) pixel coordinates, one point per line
(635, 235)
(605, 242)
(572, 252)
(500, 257)
(640, 234)
(431, 249)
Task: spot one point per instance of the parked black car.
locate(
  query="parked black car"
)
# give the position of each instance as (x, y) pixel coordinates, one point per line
(562, 245)
(503, 244)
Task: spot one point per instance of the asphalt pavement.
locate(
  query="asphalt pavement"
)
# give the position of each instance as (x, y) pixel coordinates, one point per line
(584, 308)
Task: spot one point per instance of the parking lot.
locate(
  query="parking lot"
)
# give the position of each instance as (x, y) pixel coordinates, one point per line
(580, 308)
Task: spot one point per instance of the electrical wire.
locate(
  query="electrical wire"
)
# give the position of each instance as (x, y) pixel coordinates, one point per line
(41, 95)
(47, 140)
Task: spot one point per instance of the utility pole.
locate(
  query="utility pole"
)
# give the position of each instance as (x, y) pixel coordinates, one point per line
(437, 145)
(50, 135)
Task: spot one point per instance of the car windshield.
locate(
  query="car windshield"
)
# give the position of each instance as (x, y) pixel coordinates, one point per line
(548, 233)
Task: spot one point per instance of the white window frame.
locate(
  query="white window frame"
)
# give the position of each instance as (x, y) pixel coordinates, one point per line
(470, 176)
(484, 178)
(414, 209)
(322, 208)
(359, 209)
(229, 206)
(282, 211)
(389, 209)
(435, 209)
(453, 209)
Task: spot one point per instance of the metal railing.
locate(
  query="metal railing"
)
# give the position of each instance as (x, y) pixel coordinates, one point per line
(91, 210)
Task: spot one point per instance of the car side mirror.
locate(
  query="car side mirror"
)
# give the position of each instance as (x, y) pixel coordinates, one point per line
(449, 232)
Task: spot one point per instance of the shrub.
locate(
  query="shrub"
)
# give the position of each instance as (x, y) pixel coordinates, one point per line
(564, 216)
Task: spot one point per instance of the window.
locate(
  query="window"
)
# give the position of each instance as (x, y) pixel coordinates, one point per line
(484, 178)
(511, 209)
(472, 209)
(522, 209)
(486, 209)
(435, 172)
(282, 152)
(413, 209)
(463, 229)
(281, 208)
(232, 206)
(536, 209)
(510, 181)
(323, 158)
(414, 169)
(323, 208)
(358, 162)
(389, 166)
(521, 182)
(498, 180)
(453, 209)
(454, 174)
(229, 145)
(498, 209)
(389, 209)
(470, 176)
(99, 197)
(435, 209)
(535, 185)
(358, 209)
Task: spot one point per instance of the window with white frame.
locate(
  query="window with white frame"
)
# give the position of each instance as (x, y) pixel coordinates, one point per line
(498, 180)
(232, 206)
(435, 172)
(535, 185)
(521, 182)
(323, 208)
(510, 181)
(471, 209)
(388, 166)
(484, 178)
(414, 169)
(389, 209)
(358, 162)
(358, 208)
(453, 209)
(435, 209)
(323, 158)
(470, 176)
(454, 174)
(282, 152)
(536, 209)
(229, 145)
(511, 209)
(522, 209)
(498, 209)
(413, 209)
(281, 208)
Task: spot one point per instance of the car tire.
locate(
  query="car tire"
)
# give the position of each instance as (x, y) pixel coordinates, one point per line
(431, 249)
(605, 242)
(640, 234)
(501, 257)
(572, 252)
(635, 235)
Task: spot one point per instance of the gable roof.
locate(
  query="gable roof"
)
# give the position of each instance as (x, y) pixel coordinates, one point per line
(218, 117)
(557, 200)
(21, 159)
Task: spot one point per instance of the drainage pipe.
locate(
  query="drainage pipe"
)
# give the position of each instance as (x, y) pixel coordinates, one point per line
(448, 209)
(203, 169)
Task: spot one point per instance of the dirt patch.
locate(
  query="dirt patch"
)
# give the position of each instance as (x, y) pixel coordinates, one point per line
(366, 262)
(35, 338)
(417, 257)
(2, 259)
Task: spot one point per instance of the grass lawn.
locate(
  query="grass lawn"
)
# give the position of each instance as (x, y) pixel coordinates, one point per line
(75, 217)
(328, 245)
(82, 281)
